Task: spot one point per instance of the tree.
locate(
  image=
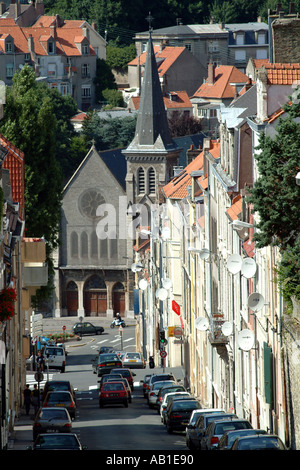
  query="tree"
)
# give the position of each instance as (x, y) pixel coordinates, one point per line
(181, 125)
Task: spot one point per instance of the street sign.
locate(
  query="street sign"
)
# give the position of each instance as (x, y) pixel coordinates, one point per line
(163, 353)
(175, 307)
(39, 376)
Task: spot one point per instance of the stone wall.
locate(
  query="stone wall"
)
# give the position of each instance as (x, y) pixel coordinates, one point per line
(286, 40)
(291, 360)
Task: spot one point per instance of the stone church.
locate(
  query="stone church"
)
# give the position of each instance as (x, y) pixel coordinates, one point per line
(102, 205)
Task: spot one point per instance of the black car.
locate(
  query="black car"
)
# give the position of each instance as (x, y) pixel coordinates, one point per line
(167, 389)
(179, 412)
(259, 442)
(87, 328)
(106, 349)
(228, 438)
(127, 373)
(203, 422)
(57, 441)
(216, 429)
(58, 385)
(104, 363)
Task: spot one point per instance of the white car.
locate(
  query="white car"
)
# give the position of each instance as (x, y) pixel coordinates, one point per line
(154, 389)
(55, 358)
(166, 399)
(133, 360)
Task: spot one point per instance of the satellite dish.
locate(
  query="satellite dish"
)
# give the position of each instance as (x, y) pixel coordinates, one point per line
(248, 268)
(143, 284)
(133, 268)
(136, 267)
(202, 324)
(234, 263)
(227, 328)
(204, 254)
(161, 294)
(167, 283)
(245, 340)
(256, 301)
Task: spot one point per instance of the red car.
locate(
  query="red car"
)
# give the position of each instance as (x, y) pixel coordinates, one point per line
(113, 393)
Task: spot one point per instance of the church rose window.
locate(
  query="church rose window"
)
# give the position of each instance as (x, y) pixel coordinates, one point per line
(89, 201)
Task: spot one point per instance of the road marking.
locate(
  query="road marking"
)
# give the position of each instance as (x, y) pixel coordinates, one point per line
(128, 339)
(103, 341)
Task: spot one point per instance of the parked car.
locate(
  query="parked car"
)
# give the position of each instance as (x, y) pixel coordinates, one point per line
(87, 328)
(216, 429)
(179, 412)
(228, 438)
(191, 430)
(126, 383)
(145, 384)
(166, 388)
(57, 441)
(55, 358)
(120, 354)
(203, 421)
(167, 398)
(127, 373)
(107, 377)
(154, 389)
(259, 442)
(104, 363)
(134, 360)
(51, 420)
(58, 385)
(159, 378)
(62, 399)
(113, 393)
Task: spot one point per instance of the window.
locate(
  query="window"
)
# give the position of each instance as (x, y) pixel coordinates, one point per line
(51, 47)
(85, 70)
(240, 39)
(261, 38)
(9, 47)
(151, 181)
(188, 46)
(240, 56)
(26, 57)
(84, 244)
(86, 91)
(213, 46)
(51, 70)
(64, 89)
(74, 244)
(9, 70)
(262, 54)
(85, 49)
(141, 180)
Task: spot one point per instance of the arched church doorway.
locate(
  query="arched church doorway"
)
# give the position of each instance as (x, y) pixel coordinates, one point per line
(72, 298)
(95, 297)
(118, 298)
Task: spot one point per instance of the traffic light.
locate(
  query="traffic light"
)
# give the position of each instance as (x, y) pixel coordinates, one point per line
(162, 337)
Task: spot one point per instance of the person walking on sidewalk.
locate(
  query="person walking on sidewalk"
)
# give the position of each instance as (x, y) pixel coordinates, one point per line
(27, 399)
(35, 399)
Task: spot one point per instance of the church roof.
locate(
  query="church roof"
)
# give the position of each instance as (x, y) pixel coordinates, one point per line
(152, 128)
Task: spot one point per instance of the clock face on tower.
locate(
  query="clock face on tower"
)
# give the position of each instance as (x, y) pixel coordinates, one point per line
(89, 201)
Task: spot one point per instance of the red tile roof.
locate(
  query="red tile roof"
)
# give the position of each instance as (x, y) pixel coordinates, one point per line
(14, 162)
(177, 187)
(165, 58)
(235, 209)
(225, 76)
(182, 101)
(283, 74)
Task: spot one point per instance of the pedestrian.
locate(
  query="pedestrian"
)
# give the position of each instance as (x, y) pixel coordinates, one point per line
(27, 399)
(40, 361)
(35, 399)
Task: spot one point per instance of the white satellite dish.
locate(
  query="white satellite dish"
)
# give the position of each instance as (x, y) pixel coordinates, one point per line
(234, 263)
(245, 340)
(202, 324)
(248, 268)
(133, 268)
(143, 284)
(256, 301)
(167, 283)
(227, 328)
(204, 254)
(161, 294)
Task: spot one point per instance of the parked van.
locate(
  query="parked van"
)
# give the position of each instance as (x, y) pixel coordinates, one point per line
(55, 357)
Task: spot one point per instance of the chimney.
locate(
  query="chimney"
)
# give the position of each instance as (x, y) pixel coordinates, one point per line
(53, 30)
(292, 9)
(94, 25)
(30, 43)
(85, 32)
(2, 8)
(211, 74)
(17, 9)
(39, 7)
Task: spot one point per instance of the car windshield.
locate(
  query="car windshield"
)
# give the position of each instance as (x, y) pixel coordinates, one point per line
(55, 351)
(156, 385)
(58, 386)
(260, 443)
(113, 386)
(175, 388)
(186, 406)
(221, 428)
(59, 397)
(58, 413)
(108, 357)
(57, 441)
(133, 356)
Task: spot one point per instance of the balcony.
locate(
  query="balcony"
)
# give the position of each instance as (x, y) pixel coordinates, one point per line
(35, 269)
(216, 336)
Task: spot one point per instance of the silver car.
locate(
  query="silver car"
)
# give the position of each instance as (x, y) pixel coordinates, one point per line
(154, 389)
(133, 360)
(51, 420)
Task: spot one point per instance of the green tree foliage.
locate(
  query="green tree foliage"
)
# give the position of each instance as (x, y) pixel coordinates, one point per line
(183, 125)
(275, 196)
(119, 57)
(109, 133)
(104, 79)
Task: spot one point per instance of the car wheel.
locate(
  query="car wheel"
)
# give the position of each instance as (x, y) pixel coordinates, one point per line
(126, 404)
(169, 429)
(100, 404)
(62, 370)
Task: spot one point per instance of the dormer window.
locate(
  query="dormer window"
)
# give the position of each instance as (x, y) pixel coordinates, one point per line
(85, 49)
(9, 47)
(51, 47)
